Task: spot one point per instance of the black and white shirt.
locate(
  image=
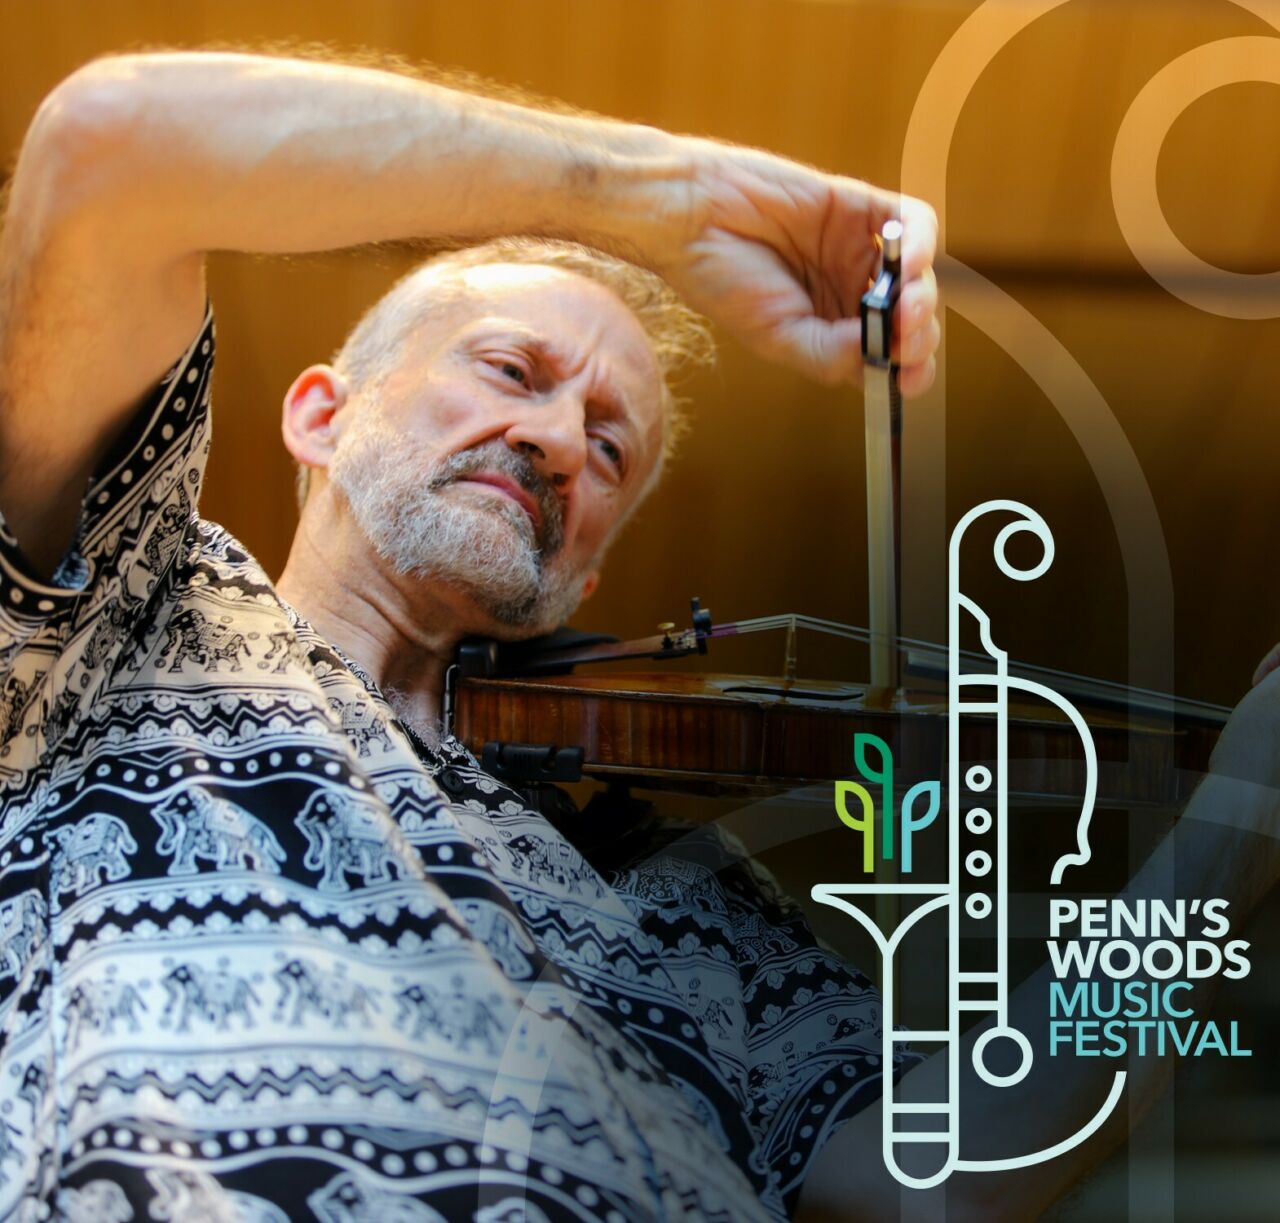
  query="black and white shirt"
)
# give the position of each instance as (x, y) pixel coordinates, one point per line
(261, 958)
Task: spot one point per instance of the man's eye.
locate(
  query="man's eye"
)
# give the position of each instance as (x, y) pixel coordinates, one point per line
(511, 370)
(610, 451)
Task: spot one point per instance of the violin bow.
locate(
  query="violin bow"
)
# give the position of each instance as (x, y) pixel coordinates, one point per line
(882, 406)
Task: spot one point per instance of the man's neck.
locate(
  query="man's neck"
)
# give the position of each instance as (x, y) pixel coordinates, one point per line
(403, 632)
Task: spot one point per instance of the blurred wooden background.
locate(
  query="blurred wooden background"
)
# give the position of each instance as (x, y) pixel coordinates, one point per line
(764, 512)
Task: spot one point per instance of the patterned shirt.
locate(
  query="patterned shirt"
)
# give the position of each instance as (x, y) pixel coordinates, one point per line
(265, 956)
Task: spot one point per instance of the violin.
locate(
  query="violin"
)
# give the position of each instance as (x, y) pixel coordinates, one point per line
(531, 717)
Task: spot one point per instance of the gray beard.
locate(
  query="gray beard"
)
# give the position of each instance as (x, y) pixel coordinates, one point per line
(424, 525)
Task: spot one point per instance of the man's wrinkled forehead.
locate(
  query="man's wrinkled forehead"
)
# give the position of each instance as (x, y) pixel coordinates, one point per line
(558, 313)
(454, 296)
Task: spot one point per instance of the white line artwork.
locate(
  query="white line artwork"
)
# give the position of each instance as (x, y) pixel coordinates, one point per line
(975, 894)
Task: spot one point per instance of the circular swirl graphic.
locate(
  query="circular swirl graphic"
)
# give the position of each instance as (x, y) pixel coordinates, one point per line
(1230, 61)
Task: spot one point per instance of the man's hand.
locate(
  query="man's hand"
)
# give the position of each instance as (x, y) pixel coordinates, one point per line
(781, 255)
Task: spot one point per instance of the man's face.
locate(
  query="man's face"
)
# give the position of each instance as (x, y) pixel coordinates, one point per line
(520, 425)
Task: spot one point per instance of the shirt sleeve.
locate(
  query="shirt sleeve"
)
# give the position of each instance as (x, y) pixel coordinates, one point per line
(60, 639)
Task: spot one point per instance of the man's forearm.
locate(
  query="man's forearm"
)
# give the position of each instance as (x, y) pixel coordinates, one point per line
(135, 166)
(214, 151)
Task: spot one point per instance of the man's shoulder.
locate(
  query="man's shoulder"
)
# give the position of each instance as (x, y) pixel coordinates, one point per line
(223, 599)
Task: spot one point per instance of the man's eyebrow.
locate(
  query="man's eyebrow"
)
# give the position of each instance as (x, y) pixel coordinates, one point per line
(494, 328)
(620, 408)
(541, 347)
(546, 350)
(537, 345)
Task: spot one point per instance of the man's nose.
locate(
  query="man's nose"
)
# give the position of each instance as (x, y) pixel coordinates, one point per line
(553, 433)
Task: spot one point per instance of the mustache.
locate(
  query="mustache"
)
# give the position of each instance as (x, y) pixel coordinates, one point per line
(499, 457)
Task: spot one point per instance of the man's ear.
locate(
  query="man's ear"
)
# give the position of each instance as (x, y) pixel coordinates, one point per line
(590, 583)
(310, 405)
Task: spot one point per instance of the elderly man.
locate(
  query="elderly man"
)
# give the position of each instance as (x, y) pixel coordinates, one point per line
(489, 426)
(274, 946)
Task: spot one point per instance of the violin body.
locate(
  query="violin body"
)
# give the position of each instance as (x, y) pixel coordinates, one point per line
(753, 736)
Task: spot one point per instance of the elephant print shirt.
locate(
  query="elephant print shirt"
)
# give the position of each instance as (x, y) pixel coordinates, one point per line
(262, 957)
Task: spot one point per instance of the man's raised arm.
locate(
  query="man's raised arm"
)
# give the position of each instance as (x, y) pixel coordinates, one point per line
(137, 165)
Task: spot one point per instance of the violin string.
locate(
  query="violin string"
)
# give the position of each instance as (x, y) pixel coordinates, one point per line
(849, 632)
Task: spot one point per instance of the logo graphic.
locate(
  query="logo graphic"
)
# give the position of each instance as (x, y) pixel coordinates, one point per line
(864, 819)
(975, 894)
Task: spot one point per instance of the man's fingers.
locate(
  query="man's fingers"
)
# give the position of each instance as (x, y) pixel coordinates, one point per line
(828, 352)
(831, 352)
(917, 334)
(912, 347)
(919, 227)
(917, 303)
(919, 237)
(916, 379)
